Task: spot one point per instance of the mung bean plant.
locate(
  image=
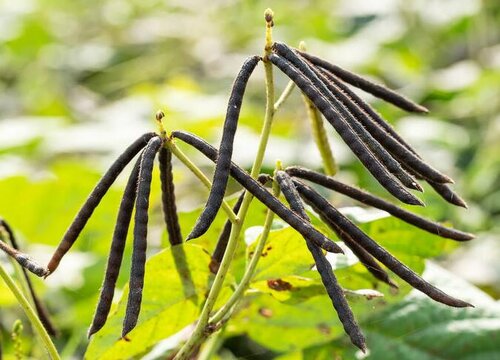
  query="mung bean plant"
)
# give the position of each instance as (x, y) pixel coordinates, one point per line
(290, 192)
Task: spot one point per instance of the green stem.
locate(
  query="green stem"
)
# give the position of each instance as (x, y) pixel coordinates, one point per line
(284, 95)
(200, 175)
(250, 270)
(211, 347)
(199, 333)
(319, 132)
(30, 313)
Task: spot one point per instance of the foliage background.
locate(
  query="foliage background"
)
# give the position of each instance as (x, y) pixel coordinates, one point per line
(80, 80)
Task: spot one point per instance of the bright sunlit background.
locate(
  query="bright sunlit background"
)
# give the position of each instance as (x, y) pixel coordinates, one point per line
(80, 80)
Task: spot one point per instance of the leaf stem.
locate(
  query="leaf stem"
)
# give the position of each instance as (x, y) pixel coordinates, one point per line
(30, 313)
(284, 95)
(200, 175)
(212, 346)
(200, 331)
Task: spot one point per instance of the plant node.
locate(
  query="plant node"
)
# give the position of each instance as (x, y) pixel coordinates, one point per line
(269, 16)
(159, 119)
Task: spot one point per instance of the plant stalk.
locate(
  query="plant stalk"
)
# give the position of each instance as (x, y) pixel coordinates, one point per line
(200, 332)
(30, 313)
(284, 95)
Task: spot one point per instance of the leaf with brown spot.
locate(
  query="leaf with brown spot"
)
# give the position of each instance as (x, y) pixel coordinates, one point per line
(265, 312)
(279, 285)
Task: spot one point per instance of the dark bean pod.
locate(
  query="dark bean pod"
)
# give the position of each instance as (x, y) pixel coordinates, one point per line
(364, 84)
(383, 133)
(221, 246)
(31, 265)
(168, 197)
(261, 193)
(350, 138)
(94, 199)
(449, 195)
(10, 233)
(375, 249)
(24, 260)
(41, 310)
(116, 251)
(287, 187)
(334, 290)
(136, 283)
(442, 190)
(338, 103)
(369, 110)
(221, 174)
(8, 250)
(363, 256)
(372, 200)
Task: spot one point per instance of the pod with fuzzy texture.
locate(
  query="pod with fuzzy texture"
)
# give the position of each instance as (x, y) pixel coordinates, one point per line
(168, 197)
(363, 256)
(377, 90)
(260, 192)
(24, 260)
(375, 249)
(136, 283)
(372, 200)
(449, 195)
(338, 103)
(220, 247)
(324, 268)
(350, 138)
(94, 199)
(116, 252)
(221, 174)
(383, 132)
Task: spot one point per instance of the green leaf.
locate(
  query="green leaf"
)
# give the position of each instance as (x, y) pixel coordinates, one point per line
(300, 288)
(176, 283)
(287, 327)
(6, 297)
(419, 328)
(58, 197)
(285, 254)
(291, 289)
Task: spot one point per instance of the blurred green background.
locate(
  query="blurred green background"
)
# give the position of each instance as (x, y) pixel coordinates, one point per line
(81, 80)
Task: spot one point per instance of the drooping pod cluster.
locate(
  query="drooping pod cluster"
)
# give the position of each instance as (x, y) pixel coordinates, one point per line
(262, 194)
(27, 264)
(391, 161)
(136, 195)
(370, 253)
(220, 247)
(372, 139)
(324, 268)
(371, 200)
